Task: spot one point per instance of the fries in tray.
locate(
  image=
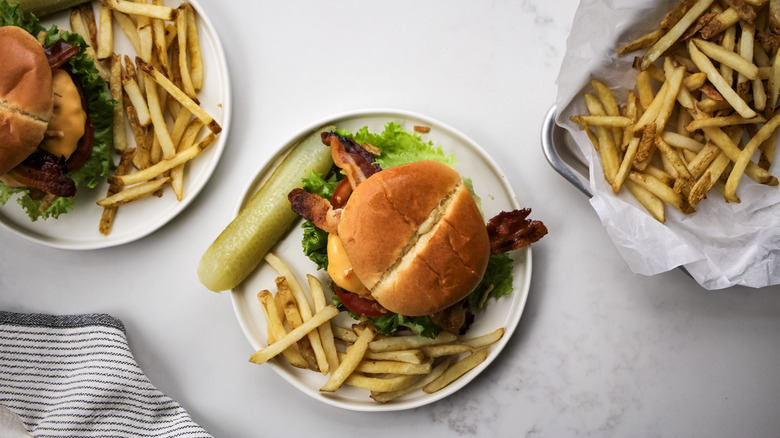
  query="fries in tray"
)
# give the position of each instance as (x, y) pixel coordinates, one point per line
(386, 366)
(703, 113)
(168, 127)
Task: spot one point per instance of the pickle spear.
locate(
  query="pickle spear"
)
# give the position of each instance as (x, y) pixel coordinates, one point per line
(264, 220)
(42, 8)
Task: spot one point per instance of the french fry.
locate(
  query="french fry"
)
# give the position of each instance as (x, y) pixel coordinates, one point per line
(719, 82)
(486, 339)
(106, 35)
(141, 158)
(607, 147)
(187, 140)
(264, 354)
(276, 329)
(456, 370)
(133, 193)
(722, 122)
(193, 49)
(179, 95)
(608, 121)
(409, 356)
(379, 384)
(708, 179)
(343, 333)
(369, 366)
(610, 106)
(164, 165)
(661, 190)
(128, 27)
(115, 85)
(386, 396)
(682, 141)
(644, 89)
(303, 306)
(326, 333)
(109, 213)
(158, 122)
(407, 342)
(88, 18)
(651, 202)
(138, 100)
(184, 66)
(666, 41)
(745, 156)
(727, 57)
(351, 360)
(446, 349)
(142, 9)
(286, 302)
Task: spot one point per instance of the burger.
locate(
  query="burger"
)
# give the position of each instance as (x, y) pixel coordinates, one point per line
(407, 246)
(55, 116)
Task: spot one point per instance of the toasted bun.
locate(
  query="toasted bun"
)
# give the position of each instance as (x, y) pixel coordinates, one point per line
(415, 237)
(25, 96)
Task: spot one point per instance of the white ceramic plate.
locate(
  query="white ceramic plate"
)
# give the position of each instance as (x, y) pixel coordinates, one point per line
(496, 194)
(78, 229)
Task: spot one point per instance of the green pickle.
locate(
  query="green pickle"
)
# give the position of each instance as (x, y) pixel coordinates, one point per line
(41, 8)
(264, 220)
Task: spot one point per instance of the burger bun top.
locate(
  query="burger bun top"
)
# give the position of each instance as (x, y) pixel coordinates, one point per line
(415, 237)
(26, 100)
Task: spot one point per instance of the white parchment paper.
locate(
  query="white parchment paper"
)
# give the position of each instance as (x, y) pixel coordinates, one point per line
(722, 244)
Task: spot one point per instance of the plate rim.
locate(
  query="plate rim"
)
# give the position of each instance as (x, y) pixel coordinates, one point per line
(513, 319)
(219, 147)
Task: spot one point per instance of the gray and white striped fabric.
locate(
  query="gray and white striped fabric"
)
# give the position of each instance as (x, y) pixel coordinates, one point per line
(75, 376)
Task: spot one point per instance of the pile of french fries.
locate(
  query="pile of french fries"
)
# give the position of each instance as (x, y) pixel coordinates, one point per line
(703, 113)
(157, 90)
(387, 366)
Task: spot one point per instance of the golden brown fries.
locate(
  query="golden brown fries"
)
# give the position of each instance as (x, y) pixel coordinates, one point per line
(388, 366)
(702, 113)
(163, 138)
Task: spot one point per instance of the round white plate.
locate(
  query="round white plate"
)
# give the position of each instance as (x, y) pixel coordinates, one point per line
(496, 194)
(78, 229)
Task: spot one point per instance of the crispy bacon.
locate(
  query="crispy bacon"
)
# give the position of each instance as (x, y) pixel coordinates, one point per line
(43, 171)
(511, 230)
(59, 53)
(316, 209)
(356, 162)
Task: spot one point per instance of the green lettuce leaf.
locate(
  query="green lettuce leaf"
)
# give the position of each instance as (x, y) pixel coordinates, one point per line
(399, 146)
(100, 163)
(496, 283)
(387, 325)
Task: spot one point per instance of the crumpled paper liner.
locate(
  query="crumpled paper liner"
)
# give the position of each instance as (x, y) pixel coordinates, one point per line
(722, 244)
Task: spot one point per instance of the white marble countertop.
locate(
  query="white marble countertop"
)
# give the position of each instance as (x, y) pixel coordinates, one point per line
(599, 350)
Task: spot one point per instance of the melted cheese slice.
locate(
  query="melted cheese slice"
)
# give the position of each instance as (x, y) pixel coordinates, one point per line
(67, 123)
(339, 266)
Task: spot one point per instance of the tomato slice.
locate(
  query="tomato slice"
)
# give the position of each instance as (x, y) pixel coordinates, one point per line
(360, 305)
(341, 194)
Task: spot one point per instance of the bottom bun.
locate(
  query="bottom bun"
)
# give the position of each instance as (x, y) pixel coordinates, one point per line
(19, 137)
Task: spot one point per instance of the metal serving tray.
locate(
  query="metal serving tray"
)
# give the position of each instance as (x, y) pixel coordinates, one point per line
(563, 155)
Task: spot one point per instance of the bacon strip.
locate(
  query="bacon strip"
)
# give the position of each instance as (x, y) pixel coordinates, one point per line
(357, 163)
(59, 53)
(43, 171)
(511, 230)
(316, 209)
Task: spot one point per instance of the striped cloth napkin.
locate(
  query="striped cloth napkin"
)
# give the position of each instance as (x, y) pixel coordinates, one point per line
(75, 376)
